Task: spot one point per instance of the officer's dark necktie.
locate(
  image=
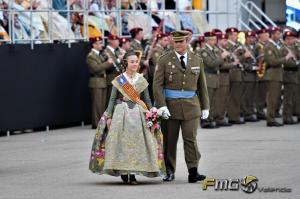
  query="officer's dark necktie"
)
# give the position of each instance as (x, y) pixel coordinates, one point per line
(182, 62)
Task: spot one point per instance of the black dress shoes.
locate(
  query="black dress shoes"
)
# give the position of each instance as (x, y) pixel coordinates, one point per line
(290, 122)
(236, 122)
(251, 119)
(261, 117)
(169, 177)
(276, 124)
(209, 125)
(224, 124)
(196, 178)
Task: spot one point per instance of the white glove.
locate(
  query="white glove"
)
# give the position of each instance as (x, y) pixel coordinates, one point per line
(205, 114)
(165, 112)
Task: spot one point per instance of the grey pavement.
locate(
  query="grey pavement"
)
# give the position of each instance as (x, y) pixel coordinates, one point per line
(54, 165)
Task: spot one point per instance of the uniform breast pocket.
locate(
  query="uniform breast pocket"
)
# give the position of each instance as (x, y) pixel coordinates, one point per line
(195, 75)
(169, 76)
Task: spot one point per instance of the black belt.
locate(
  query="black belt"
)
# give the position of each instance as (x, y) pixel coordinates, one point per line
(291, 69)
(224, 70)
(101, 75)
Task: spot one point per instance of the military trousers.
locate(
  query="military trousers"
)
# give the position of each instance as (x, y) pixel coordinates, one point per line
(273, 96)
(297, 100)
(171, 130)
(290, 93)
(248, 98)
(234, 109)
(212, 100)
(261, 97)
(222, 98)
(98, 99)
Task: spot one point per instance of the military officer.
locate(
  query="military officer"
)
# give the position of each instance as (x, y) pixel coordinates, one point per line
(112, 51)
(156, 52)
(180, 91)
(212, 62)
(137, 36)
(261, 86)
(274, 74)
(235, 77)
(222, 94)
(290, 78)
(97, 65)
(124, 45)
(249, 79)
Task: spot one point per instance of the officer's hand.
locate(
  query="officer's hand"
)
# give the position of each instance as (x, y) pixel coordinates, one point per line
(205, 114)
(110, 60)
(165, 112)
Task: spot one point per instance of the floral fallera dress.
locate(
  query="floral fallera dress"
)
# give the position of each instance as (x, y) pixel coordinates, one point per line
(128, 147)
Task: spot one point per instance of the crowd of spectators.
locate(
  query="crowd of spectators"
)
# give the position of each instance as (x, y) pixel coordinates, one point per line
(65, 20)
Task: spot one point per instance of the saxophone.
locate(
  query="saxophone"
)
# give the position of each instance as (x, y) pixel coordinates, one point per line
(262, 65)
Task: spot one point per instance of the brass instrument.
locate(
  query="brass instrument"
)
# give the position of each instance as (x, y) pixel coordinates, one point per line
(114, 63)
(139, 54)
(262, 65)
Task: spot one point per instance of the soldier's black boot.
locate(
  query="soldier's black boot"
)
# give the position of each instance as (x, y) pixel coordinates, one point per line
(194, 176)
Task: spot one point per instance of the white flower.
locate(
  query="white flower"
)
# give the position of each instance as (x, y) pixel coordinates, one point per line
(149, 124)
(153, 109)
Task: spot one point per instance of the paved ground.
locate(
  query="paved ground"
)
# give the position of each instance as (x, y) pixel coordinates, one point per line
(54, 165)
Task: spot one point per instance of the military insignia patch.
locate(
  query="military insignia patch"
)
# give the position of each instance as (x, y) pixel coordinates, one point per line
(204, 54)
(169, 63)
(173, 66)
(270, 52)
(156, 54)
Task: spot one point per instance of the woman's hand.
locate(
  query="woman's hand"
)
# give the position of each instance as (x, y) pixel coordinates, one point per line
(108, 123)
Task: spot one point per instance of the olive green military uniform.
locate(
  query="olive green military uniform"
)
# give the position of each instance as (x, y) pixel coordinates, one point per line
(290, 81)
(155, 55)
(113, 71)
(222, 94)
(136, 46)
(261, 86)
(97, 66)
(274, 75)
(249, 85)
(185, 112)
(212, 62)
(297, 99)
(235, 78)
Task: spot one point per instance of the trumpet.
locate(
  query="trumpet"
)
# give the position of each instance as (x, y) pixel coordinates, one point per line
(113, 62)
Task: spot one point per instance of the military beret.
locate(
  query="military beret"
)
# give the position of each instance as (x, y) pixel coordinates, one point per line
(232, 29)
(123, 40)
(209, 35)
(289, 34)
(221, 36)
(250, 34)
(216, 30)
(113, 37)
(274, 29)
(179, 35)
(161, 35)
(261, 31)
(94, 39)
(201, 38)
(135, 30)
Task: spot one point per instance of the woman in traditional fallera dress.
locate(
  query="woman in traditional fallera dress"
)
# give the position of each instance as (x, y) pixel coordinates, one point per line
(124, 145)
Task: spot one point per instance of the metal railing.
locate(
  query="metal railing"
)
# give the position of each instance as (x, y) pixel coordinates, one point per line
(29, 14)
(251, 16)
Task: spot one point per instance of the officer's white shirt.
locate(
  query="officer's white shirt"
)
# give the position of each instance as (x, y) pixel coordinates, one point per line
(185, 57)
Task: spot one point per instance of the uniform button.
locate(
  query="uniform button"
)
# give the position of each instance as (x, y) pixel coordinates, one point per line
(183, 83)
(184, 75)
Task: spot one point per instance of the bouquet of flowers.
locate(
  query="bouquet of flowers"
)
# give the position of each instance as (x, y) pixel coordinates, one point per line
(153, 118)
